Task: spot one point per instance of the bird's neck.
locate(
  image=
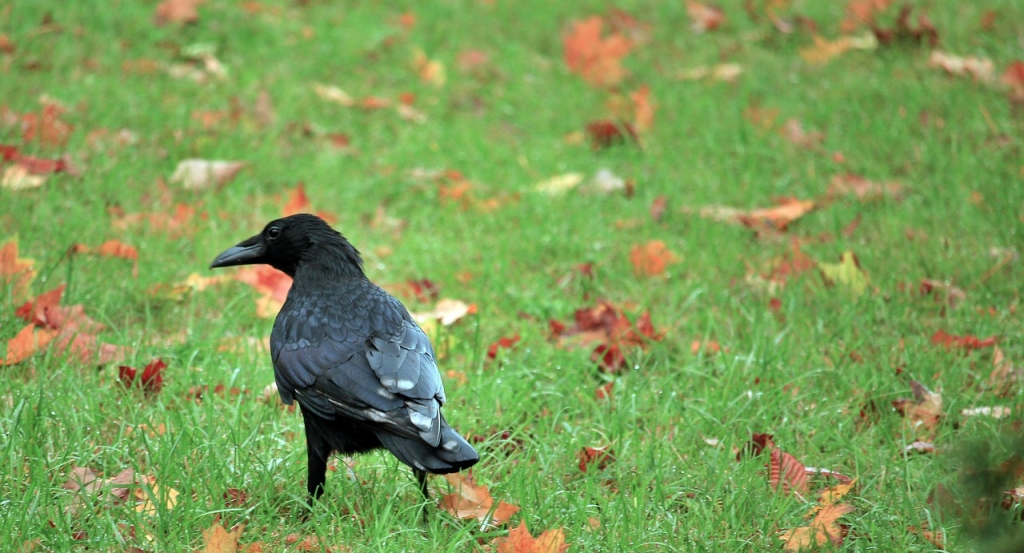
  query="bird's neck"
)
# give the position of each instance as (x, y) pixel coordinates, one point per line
(335, 260)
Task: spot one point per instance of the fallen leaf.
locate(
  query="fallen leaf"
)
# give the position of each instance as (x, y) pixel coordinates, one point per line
(658, 207)
(1005, 375)
(903, 32)
(643, 109)
(501, 343)
(604, 391)
(15, 271)
(608, 331)
(429, 71)
(334, 94)
(824, 51)
(519, 540)
(201, 174)
(475, 502)
(846, 274)
(793, 131)
(1013, 77)
(771, 219)
(997, 412)
(151, 380)
(560, 184)
(216, 539)
(598, 60)
(864, 189)
(823, 530)
(652, 258)
(87, 485)
(862, 12)
(923, 413)
(447, 311)
(18, 177)
(178, 11)
(606, 133)
(785, 472)
(943, 291)
(29, 341)
(595, 457)
(968, 342)
(704, 17)
(112, 248)
(979, 69)
(723, 72)
(272, 285)
(152, 497)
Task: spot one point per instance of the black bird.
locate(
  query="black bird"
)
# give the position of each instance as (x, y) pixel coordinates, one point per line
(361, 369)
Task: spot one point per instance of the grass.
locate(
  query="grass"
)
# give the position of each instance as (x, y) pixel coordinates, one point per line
(503, 126)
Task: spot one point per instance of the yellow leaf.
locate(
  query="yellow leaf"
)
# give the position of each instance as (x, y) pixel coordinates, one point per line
(218, 540)
(846, 274)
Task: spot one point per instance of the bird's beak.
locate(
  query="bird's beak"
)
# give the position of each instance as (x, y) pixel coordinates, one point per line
(248, 252)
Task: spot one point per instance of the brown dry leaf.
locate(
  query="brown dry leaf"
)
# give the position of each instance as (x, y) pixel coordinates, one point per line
(923, 413)
(519, 540)
(1005, 376)
(16, 272)
(201, 174)
(979, 69)
(864, 189)
(823, 51)
(652, 258)
(113, 490)
(598, 60)
(216, 539)
(704, 17)
(903, 32)
(447, 311)
(785, 471)
(475, 502)
(178, 11)
(823, 530)
(769, 219)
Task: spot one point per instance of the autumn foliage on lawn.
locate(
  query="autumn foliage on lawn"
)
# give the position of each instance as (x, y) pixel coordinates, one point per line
(608, 331)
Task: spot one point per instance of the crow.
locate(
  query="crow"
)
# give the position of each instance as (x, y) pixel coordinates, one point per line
(364, 373)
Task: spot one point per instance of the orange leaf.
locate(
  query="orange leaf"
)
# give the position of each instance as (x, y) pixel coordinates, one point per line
(178, 11)
(599, 457)
(26, 343)
(652, 258)
(785, 471)
(519, 540)
(218, 540)
(475, 502)
(967, 342)
(595, 59)
(644, 109)
(823, 530)
(14, 270)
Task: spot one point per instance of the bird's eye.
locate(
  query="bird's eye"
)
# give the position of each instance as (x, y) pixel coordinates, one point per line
(273, 232)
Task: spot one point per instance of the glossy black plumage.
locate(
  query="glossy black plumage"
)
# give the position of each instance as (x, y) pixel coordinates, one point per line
(362, 370)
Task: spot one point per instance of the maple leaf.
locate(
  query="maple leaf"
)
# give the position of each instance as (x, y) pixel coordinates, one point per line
(704, 17)
(75, 331)
(923, 413)
(519, 540)
(470, 501)
(595, 457)
(847, 274)
(943, 338)
(29, 341)
(15, 271)
(502, 343)
(608, 330)
(595, 59)
(823, 530)
(201, 174)
(152, 497)
(151, 380)
(47, 127)
(216, 539)
(651, 259)
(447, 311)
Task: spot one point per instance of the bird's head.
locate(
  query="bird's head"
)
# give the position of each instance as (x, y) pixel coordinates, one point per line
(296, 240)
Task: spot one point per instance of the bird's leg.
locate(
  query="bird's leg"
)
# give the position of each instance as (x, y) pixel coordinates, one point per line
(421, 478)
(317, 452)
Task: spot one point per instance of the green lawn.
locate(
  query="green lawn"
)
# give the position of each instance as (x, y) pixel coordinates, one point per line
(818, 368)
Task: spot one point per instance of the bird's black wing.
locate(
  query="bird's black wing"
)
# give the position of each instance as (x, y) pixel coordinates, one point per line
(354, 351)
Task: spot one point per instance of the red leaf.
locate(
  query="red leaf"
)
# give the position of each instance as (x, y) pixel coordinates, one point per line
(598, 457)
(604, 391)
(607, 133)
(968, 342)
(503, 342)
(151, 381)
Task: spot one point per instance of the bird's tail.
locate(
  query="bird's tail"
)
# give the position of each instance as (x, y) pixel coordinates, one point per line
(452, 454)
